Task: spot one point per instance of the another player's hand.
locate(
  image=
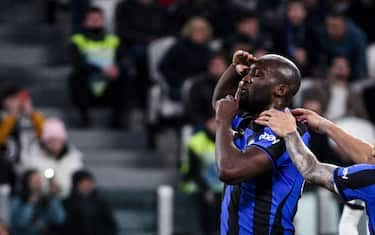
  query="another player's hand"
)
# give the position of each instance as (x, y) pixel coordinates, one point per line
(313, 120)
(281, 123)
(227, 107)
(242, 61)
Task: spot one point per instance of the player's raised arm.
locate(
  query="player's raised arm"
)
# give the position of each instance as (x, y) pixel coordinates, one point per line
(284, 125)
(233, 165)
(359, 151)
(228, 82)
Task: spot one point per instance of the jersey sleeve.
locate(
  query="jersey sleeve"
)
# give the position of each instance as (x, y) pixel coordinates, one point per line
(355, 182)
(271, 144)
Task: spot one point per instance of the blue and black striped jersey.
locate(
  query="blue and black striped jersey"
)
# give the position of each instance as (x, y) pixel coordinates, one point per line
(268, 203)
(358, 182)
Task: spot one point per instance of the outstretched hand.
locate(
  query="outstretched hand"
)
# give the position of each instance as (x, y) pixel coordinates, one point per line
(242, 60)
(313, 120)
(281, 123)
(227, 107)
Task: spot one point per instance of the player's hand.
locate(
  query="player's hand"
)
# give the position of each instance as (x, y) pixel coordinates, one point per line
(281, 123)
(242, 61)
(313, 120)
(227, 107)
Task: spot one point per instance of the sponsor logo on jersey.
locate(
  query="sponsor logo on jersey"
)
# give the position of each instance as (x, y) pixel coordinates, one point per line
(269, 137)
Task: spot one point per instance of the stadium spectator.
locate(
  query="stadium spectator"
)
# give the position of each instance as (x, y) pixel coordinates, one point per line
(200, 177)
(316, 11)
(362, 13)
(78, 11)
(340, 37)
(188, 57)
(316, 99)
(138, 22)
(87, 213)
(294, 42)
(16, 104)
(97, 77)
(338, 87)
(248, 32)
(220, 14)
(32, 211)
(198, 102)
(53, 156)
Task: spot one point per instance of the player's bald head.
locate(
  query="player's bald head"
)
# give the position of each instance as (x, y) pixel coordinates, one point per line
(284, 70)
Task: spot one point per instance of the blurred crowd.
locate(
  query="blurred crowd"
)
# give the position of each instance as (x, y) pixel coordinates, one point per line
(44, 186)
(164, 58)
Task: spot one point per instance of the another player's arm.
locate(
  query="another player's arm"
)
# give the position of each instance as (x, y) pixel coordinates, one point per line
(357, 150)
(284, 125)
(228, 82)
(233, 165)
(307, 164)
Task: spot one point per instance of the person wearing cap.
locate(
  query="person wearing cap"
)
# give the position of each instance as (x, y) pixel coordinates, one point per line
(87, 213)
(54, 157)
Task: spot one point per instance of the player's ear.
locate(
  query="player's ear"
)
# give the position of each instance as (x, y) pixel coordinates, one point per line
(281, 90)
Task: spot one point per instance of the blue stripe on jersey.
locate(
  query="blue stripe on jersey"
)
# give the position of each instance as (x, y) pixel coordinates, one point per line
(354, 169)
(224, 217)
(246, 208)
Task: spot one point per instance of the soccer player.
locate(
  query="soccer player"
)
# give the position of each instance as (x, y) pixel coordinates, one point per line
(354, 182)
(262, 184)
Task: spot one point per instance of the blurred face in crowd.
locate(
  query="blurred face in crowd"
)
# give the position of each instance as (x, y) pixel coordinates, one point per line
(94, 20)
(12, 103)
(85, 186)
(296, 13)
(54, 145)
(199, 31)
(35, 182)
(210, 125)
(248, 27)
(336, 27)
(313, 105)
(340, 69)
(217, 66)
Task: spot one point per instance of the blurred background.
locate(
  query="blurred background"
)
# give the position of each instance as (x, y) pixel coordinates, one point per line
(106, 124)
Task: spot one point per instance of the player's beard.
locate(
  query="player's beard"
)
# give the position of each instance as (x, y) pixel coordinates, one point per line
(253, 105)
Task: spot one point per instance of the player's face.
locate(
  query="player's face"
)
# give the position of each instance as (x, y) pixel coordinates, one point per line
(255, 88)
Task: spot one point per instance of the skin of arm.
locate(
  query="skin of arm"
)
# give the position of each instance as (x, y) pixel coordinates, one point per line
(233, 165)
(284, 125)
(357, 150)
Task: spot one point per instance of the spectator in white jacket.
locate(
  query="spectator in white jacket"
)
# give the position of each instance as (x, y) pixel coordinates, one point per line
(54, 157)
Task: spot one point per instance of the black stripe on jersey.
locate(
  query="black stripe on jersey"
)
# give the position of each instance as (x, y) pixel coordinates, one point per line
(277, 228)
(263, 203)
(301, 128)
(233, 226)
(356, 180)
